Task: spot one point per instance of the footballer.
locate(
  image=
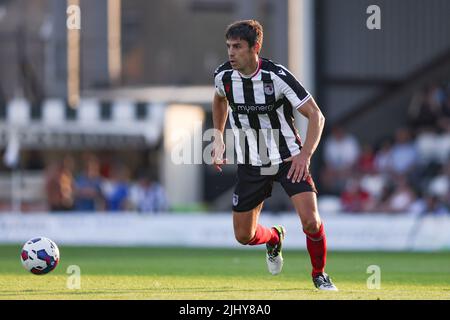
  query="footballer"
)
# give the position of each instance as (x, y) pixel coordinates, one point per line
(259, 97)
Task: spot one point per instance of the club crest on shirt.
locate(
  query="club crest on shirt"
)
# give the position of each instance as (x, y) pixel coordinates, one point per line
(268, 88)
(235, 199)
(227, 87)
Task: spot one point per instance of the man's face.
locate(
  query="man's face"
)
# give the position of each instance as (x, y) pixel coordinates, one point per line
(239, 53)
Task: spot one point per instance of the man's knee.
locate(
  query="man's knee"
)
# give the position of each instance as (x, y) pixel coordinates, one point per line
(312, 225)
(243, 237)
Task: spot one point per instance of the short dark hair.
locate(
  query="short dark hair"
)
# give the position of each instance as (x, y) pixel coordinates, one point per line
(248, 30)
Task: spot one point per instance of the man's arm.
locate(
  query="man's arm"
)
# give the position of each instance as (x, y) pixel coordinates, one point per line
(220, 113)
(316, 121)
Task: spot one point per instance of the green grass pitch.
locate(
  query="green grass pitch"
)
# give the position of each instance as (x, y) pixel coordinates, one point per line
(215, 274)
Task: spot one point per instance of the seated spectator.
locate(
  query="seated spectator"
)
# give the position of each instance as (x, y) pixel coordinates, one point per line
(383, 157)
(149, 196)
(436, 206)
(341, 151)
(59, 185)
(439, 185)
(427, 147)
(366, 160)
(354, 198)
(425, 108)
(404, 153)
(402, 198)
(88, 192)
(446, 105)
(374, 184)
(116, 189)
(443, 142)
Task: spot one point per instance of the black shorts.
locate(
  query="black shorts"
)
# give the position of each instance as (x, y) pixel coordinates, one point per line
(254, 184)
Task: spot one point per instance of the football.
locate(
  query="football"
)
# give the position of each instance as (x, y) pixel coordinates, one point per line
(39, 255)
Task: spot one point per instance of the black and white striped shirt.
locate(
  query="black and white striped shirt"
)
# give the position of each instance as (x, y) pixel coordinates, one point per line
(261, 111)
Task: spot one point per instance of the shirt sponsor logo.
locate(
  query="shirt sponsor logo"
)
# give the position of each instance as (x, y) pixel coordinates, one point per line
(254, 108)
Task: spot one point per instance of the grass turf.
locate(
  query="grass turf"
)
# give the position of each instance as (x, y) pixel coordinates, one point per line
(214, 274)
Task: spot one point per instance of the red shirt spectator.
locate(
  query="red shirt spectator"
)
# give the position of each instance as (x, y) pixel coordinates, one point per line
(354, 198)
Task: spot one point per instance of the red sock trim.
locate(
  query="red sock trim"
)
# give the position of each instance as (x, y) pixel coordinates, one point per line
(262, 235)
(316, 236)
(275, 237)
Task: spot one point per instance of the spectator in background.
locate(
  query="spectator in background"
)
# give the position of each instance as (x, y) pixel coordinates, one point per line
(383, 157)
(446, 104)
(52, 187)
(105, 167)
(60, 185)
(404, 153)
(341, 150)
(402, 197)
(425, 108)
(444, 119)
(435, 206)
(149, 196)
(116, 189)
(430, 205)
(444, 141)
(366, 160)
(439, 186)
(354, 198)
(341, 153)
(88, 192)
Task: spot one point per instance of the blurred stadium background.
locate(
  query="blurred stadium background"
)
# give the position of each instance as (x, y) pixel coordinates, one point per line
(87, 119)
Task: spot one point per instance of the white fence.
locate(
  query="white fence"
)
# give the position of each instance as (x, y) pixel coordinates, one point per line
(344, 232)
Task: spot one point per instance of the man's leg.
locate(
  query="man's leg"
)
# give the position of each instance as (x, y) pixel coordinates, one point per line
(247, 230)
(250, 192)
(305, 204)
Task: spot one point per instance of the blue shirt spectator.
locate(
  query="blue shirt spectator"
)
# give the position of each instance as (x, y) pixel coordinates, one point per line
(88, 190)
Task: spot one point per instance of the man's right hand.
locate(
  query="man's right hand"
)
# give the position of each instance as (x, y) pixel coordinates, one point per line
(217, 154)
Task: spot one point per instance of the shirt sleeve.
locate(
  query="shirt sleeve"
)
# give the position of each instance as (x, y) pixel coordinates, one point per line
(220, 90)
(291, 88)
